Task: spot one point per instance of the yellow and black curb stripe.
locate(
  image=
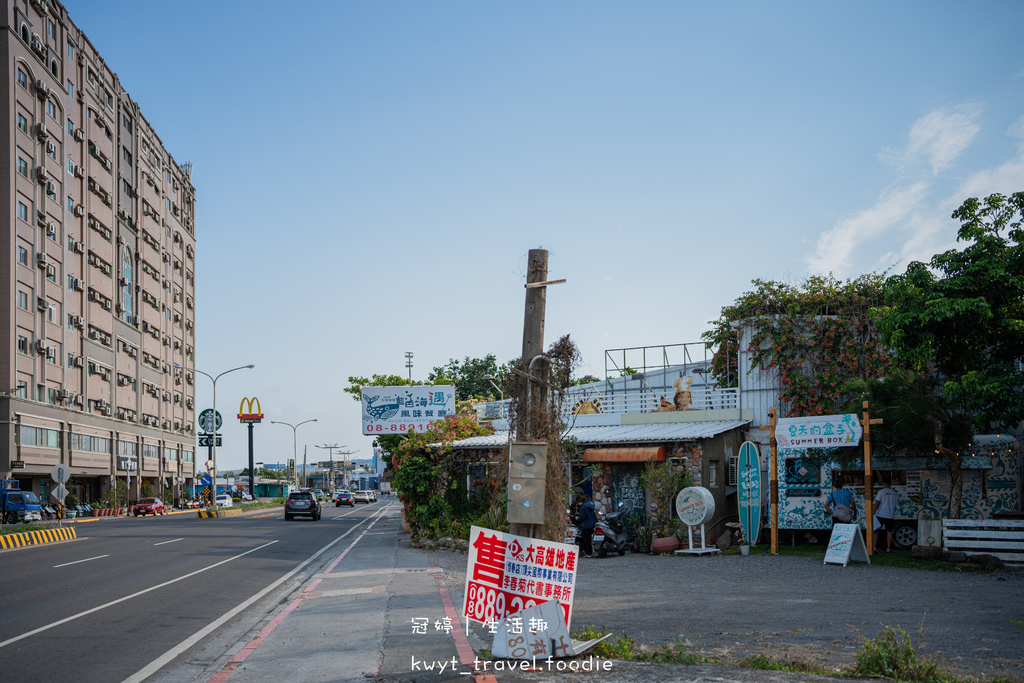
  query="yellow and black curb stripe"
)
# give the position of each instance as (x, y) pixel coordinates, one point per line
(40, 537)
(219, 513)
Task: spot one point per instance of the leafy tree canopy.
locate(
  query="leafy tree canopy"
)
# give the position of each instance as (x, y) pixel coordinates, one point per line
(356, 384)
(962, 313)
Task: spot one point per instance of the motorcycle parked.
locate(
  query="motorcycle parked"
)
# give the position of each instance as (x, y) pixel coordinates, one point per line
(610, 535)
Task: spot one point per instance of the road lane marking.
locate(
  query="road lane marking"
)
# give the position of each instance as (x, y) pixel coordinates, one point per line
(250, 647)
(127, 597)
(171, 541)
(169, 656)
(98, 557)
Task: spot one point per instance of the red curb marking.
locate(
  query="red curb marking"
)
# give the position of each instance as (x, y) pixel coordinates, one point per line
(462, 646)
(265, 632)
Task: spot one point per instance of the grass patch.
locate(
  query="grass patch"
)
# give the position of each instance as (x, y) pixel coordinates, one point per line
(766, 663)
(817, 551)
(891, 654)
(624, 647)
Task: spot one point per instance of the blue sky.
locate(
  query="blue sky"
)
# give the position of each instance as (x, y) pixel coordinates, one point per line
(370, 176)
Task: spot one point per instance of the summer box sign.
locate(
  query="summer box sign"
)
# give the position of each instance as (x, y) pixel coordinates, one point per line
(823, 431)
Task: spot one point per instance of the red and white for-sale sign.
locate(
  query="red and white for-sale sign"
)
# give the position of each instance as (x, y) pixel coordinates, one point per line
(508, 573)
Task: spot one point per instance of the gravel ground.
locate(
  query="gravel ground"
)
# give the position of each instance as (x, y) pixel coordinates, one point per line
(796, 608)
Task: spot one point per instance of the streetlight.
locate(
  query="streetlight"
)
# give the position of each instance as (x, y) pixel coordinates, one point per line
(331, 450)
(490, 378)
(213, 456)
(295, 451)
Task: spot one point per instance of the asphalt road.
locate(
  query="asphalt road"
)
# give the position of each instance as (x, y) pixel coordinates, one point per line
(102, 607)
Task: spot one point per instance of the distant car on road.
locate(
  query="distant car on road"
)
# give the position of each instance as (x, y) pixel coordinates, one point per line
(301, 503)
(224, 501)
(344, 498)
(320, 495)
(362, 497)
(150, 506)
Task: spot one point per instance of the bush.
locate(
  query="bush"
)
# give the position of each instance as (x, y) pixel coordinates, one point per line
(236, 500)
(891, 655)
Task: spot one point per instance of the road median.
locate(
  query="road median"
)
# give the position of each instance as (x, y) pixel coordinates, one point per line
(37, 537)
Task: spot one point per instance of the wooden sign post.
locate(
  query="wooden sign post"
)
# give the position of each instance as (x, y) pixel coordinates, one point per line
(773, 476)
(869, 490)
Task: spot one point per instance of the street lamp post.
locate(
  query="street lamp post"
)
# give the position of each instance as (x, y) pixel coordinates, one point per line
(213, 451)
(295, 448)
(331, 470)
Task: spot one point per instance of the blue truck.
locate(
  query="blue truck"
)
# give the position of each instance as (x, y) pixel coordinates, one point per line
(17, 505)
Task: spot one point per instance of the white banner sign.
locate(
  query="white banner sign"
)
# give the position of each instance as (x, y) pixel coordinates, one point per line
(846, 544)
(396, 410)
(823, 431)
(506, 574)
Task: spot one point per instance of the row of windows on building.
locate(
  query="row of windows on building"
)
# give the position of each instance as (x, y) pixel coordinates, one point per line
(27, 435)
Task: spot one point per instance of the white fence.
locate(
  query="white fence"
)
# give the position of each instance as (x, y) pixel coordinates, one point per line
(642, 401)
(1000, 537)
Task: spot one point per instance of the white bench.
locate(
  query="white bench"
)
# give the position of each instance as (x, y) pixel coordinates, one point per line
(1003, 538)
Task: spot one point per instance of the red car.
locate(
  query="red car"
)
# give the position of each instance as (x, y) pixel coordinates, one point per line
(150, 506)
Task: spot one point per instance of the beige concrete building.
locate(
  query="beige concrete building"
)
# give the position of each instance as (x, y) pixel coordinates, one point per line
(97, 271)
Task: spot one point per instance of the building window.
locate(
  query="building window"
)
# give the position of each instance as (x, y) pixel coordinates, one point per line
(126, 155)
(71, 127)
(71, 205)
(71, 356)
(127, 120)
(52, 28)
(51, 191)
(22, 390)
(41, 392)
(71, 50)
(71, 166)
(51, 150)
(22, 167)
(51, 314)
(23, 256)
(71, 326)
(51, 109)
(71, 88)
(22, 124)
(22, 344)
(22, 79)
(53, 67)
(126, 288)
(22, 211)
(23, 300)
(51, 274)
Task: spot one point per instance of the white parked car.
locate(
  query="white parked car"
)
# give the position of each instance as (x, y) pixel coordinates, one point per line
(224, 501)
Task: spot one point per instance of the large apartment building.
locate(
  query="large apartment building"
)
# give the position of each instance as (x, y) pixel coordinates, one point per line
(97, 272)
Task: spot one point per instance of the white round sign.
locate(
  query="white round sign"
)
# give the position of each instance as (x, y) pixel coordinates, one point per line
(60, 473)
(695, 505)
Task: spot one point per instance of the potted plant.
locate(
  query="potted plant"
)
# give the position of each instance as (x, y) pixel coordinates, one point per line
(642, 536)
(70, 501)
(664, 481)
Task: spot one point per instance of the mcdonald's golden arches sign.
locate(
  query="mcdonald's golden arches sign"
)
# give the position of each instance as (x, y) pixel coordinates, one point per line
(246, 414)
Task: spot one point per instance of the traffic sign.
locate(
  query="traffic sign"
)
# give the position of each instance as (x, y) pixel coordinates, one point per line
(205, 480)
(60, 473)
(59, 493)
(206, 439)
(210, 421)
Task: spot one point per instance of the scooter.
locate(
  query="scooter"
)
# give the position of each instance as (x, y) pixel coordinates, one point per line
(610, 535)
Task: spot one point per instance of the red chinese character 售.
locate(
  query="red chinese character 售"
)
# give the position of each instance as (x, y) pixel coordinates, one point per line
(490, 560)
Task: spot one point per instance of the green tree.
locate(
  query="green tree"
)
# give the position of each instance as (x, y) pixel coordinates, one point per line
(356, 384)
(962, 313)
(916, 421)
(468, 376)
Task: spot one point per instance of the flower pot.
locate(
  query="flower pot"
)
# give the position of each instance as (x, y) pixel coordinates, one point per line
(744, 550)
(95, 512)
(71, 514)
(643, 549)
(665, 544)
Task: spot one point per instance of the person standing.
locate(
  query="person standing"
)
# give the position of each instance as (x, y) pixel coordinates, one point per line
(886, 501)
(840, 504)
(588, 520)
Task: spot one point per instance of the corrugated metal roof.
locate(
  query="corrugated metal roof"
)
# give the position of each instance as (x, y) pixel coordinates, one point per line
(647, 433)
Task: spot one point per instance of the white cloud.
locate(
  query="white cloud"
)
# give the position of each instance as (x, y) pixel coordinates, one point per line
(835, 248)
(937, 139)
(903, 225)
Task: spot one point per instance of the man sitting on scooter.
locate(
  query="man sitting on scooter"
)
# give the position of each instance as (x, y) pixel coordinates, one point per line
(588, 520)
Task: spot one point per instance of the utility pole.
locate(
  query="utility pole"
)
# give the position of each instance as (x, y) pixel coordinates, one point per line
(530, 400)
(408, 364)
(344, 466)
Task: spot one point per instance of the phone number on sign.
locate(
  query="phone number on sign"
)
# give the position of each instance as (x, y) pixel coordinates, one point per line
(486, 604)
(396, 427)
